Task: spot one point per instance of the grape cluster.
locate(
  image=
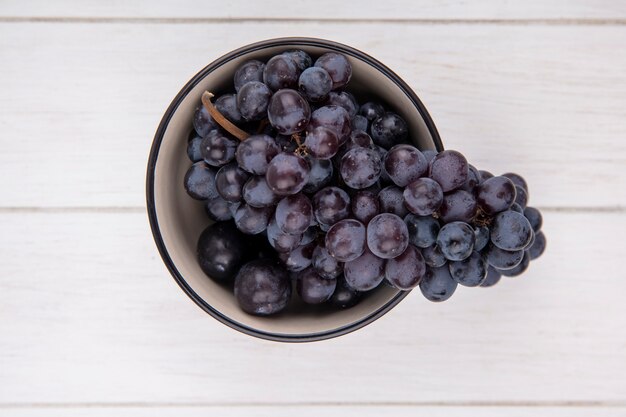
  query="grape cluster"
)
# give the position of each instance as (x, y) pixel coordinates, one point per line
(312, 192)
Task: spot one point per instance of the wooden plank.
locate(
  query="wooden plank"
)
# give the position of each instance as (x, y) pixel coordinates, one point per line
(91, 316)
(324, 9)
(79, 110)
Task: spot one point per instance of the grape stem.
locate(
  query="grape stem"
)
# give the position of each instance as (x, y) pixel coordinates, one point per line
(301, 149)
(220, 119)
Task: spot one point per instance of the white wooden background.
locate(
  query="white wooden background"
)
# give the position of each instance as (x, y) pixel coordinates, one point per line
(91, 322)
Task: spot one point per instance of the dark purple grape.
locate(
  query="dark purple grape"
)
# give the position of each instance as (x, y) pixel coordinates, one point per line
(510, 231)
(200, 181)
(299, 258)
(294, 213)
(517, 179)
(218, 149)
(450, 169)
(521, 197)
(281, 241)
(429, 154)
(345, 100)
(321, 142)
(194, 149)
(262, 287)
(437, 284)
(433, 256)
(287, 174)
(309, 235)
(320, 175)
(248, 71)
(458, 205)
(315, 84)
(257, 193)
(405, 164)
(456, 241)
(281, 71)
(391, 200)
(345, 240)
(203, 123)
(365, 272)
(362, 139)
(300, 58)
(227, 105)
(423, 231)
(335, 118)
(365, 206)
(219, 210)
(538, 247)
(516, 207)
(481, 237)
(312, 288)
(371, 111)
(405, 272)
(253, 99)
(495, 195)
(473, 179)
(337, 66)
(331, 205)
(359, 123)
(534, 218)
(288, 112)
(387, 236)
(389, 130)
(519, 269)
(344, 296)
(423, 196)
(221, 251)
(325, 265)
(485, 175)
(229, 182)
(255, 153)
(360, 168)
(252, 220)
(492, 278)
(470, 272)
(503, 259)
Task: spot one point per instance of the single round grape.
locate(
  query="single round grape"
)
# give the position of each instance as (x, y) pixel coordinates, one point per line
(252, 220)
(503, 259)
(312, 288)
(423, 230)
(337, 66)
(229, 182)
(315, 84)
(287, 174)
(433, 256)
(493, 277)
(255, 153)
(481, 237)
(389, 130)
(458, 205)
(344, 296)
(219, 210)
(288, 112)
(485, 175)
(519, 269)
(470, 272)
(473, 179)
(331, 205)
(405, 272)
(345, 240)
(362, 139)
(335, 118)
(248, 71)
(365, 206)
(437, 284)
(320, 175)
(253, 99)
(203, 123)
(391, 200)
(321, 142)
(300, 58)
(404, 164)
(359, 122)
(218, 149)
(423, 196)
(360, 168)
(257, 193)
(456, 241)
(294, 213)
(281, 241)
(517, 179)
(450, 169)
(371, 111)
(221, 251)
(280, 71)
(345, 100)
(262, 287)
(387, 236)
(521, 196)
(510, 231)
(429, 154)
(365, 272)
(227, 105)
(538, 247)
(534, 218)
(299, 258)
(200, 181)
(194, 149)
(325, 265)
(516, 207)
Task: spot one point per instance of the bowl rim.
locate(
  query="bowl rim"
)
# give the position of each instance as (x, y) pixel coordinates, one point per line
(154, 153)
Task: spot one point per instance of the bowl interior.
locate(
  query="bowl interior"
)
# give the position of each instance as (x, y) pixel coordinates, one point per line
(181, 219)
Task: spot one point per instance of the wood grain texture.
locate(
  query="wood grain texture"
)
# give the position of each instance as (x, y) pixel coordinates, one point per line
(90, 315)
(323, 9)
(80, 102)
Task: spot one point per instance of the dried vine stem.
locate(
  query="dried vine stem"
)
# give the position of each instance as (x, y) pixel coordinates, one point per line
(220, 119)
